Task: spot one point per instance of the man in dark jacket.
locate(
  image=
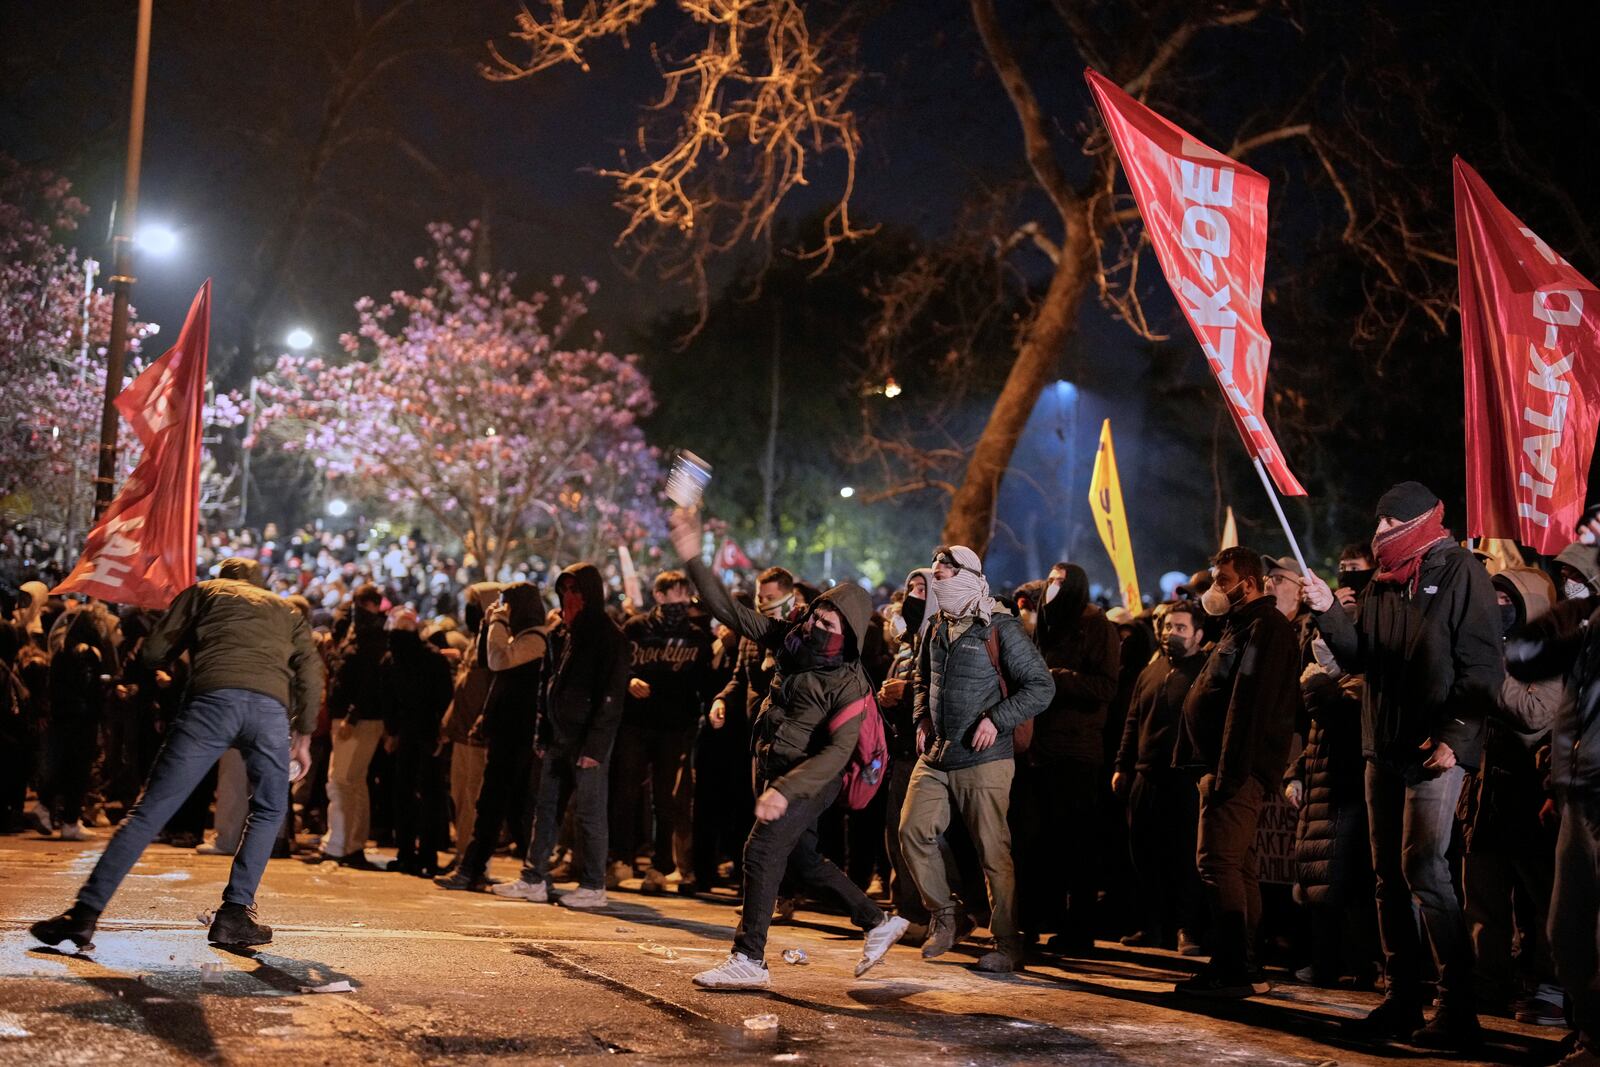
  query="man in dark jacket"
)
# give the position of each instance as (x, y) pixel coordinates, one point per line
(669, 682)
(1163, 807)
(1060, 776)
(978, 678)
(1427, 638)
(576, 734)
(803, 737)
(255, 671)
(357, 730)
(1238, 722)
(414, 688)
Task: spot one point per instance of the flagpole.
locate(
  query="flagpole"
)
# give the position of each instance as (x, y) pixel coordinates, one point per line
(1272, 495)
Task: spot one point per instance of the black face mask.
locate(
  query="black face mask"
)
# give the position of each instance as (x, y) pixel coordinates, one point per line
(1354, 580)
(912, 610)
(1175, 646)
(814, 651)
(674, 614)
(1508, 618)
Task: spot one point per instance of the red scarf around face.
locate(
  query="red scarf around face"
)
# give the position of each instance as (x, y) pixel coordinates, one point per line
(1400, 548)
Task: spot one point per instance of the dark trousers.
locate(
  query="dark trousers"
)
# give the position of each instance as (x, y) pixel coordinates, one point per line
(789, 843)
(71, 746)
(421, 813)
(723, 805)
(660, 756)
(1411, 823)
(1225, 856)
(1163, 815)
(1575, 913)
(505, 784)
(1056, 836)
(586, 788)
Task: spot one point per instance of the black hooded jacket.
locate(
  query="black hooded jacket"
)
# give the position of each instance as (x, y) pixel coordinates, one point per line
(795, 752)
(1081, 647)
(674, 657)
(590, 681)
(414, 687)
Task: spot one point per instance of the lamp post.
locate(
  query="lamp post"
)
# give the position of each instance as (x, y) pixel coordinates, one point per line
(122, 278)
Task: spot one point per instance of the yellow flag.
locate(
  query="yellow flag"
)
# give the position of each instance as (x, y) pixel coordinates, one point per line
(1230, 531)
(1105, 501)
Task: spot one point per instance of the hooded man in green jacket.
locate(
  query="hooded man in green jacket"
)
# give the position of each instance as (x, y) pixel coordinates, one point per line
(255, 673)
(802, 739)
(978, 678)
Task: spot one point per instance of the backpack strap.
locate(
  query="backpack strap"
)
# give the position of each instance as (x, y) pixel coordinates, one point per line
(992, 643)
(848, 712)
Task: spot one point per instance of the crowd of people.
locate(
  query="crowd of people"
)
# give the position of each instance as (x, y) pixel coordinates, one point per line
(943, 758)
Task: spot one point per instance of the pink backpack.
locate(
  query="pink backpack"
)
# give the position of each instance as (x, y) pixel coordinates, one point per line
(870, 761)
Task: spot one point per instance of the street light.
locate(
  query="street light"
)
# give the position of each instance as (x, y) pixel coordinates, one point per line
(156, 239)
(299, 339)
(891, 388)
(847, 492)
(338, 508)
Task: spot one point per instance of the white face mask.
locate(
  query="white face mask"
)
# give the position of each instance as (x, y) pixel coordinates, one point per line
(1215, 601)
(1575, 590)
(1051, 590)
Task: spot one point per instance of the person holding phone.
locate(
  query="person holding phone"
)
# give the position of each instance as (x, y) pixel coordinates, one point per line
(255, 684)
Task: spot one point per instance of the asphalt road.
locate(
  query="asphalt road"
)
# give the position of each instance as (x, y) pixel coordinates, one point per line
(467, 978)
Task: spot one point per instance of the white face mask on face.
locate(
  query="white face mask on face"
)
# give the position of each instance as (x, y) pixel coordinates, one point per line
(1575, 590)
(1051, 590)
(1215, 601)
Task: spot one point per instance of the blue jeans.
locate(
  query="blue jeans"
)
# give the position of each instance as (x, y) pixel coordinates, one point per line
(1410, 819)
(587, 786)
(212, 723)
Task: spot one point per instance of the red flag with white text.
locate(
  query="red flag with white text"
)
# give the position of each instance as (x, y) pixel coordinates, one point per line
(1530, 346)
(1206, 216)
(142, 551)
(731, 557)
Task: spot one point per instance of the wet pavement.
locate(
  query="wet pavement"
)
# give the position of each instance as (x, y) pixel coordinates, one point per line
(440, 977)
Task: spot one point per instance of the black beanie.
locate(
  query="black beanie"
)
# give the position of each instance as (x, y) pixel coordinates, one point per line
(1406, 501)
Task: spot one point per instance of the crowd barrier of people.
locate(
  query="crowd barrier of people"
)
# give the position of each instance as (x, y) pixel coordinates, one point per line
(938, 758)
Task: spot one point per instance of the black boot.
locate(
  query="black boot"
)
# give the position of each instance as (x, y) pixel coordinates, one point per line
(235, 924)
(1453, 1028)
(75, 925)
(1392, 1020)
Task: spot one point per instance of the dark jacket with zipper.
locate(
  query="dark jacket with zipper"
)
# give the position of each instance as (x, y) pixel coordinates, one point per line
(1431, 658)
(793, 749)
(957, 685)
(1155, 713)
(583, 706)
(1239, 715)
(1081, 647)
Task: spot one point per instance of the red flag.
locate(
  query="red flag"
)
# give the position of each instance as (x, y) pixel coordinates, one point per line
(142, 551)
(1206, 216)
(1530, 345)
(731, 557)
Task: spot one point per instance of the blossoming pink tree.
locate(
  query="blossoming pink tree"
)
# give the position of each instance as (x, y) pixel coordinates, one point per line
(480, 409)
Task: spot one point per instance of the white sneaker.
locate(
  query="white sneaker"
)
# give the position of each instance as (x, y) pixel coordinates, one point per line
(584, 898)
(210, 848)
(76, 831)
(879, 938)
(739, 972)
(616, 873)
(532, 892)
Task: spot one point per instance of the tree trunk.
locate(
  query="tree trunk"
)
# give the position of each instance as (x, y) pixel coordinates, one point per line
(971, 518)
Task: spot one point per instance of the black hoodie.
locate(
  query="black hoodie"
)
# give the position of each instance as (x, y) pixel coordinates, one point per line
(1081, 647)
(795, 752)
(591, 676)
(674, 657)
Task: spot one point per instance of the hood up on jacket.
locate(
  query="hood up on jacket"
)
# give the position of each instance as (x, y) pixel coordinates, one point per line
(1585, 559)
(1063, 614)
(855, 607)
(239, 569)
(1530, 589)
(585, 577)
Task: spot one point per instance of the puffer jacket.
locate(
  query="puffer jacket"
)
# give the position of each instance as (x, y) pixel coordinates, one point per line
(794, 750)
(1432, 659)
(1081, 648)
(240, 636)
(1332, 857)
(957, 685)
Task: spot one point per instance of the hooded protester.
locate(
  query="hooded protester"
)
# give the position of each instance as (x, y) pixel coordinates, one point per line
(30, 613)
(577, 732)
(84, 666)
(1163, 807)
(1238, 724)
(357, 730)
(670, 682)
(1509, 868)
(1427, 639)
(255, 674)
(514, 650)
(18, 729)
(468, 754)
(803, 737)
(414, 689)
(1578, 567)
(978, 678)
(1058, 780)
